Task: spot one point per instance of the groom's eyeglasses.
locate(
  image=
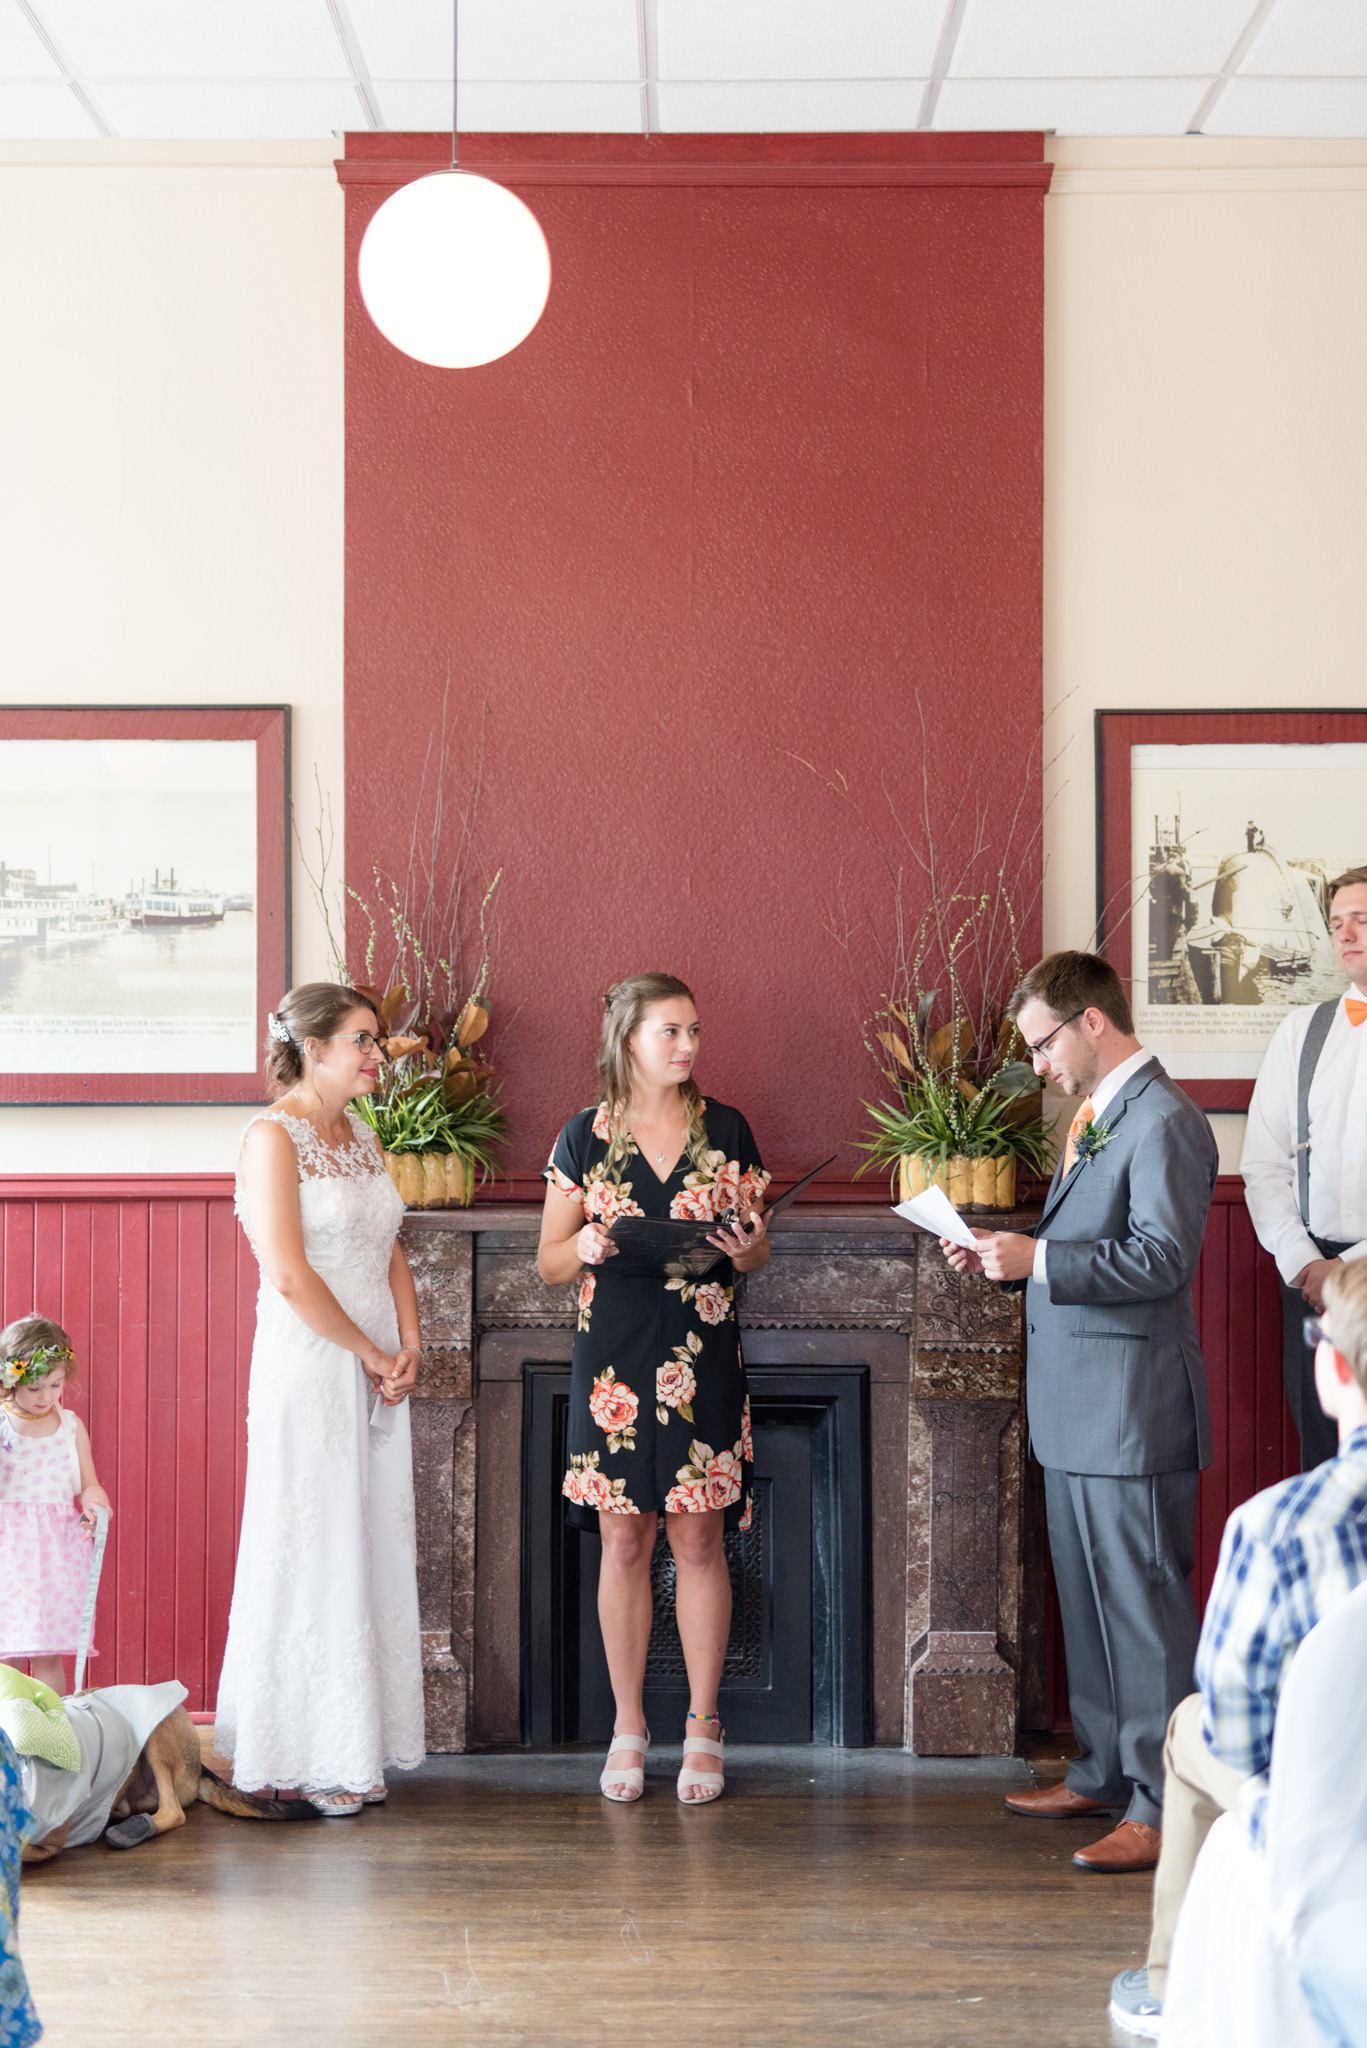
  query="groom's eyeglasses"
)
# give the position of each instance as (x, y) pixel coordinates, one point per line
(366, 1040)
(1314, 1332)
(1041, 1050)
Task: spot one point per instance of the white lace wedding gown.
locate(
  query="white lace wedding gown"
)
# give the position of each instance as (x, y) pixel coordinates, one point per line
(322, 1674)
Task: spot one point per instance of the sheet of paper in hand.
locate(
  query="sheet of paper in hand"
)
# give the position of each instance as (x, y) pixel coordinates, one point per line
(649, 1246)
(933, 1211)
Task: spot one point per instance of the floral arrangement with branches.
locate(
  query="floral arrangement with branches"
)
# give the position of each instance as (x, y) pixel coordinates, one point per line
(933, 966)
(427, 946)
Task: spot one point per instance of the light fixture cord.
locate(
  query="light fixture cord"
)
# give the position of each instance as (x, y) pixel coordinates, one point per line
(455, 75)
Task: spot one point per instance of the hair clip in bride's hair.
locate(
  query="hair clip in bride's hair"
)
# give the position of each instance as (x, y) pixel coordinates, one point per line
(278, 1031)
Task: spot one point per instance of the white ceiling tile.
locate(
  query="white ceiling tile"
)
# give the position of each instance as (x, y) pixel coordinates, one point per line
(22, 53)
(785, 108)
(196, 38)
(1324, 38)
(1290, 106)
(807, 39)
(606, 108)
(1097, 38)
(518, 39)
(252, 109)
(41, 110)
(1072, 106)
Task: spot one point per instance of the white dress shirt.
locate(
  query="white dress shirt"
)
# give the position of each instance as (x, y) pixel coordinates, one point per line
(1106, 1090)
(1338, 1143)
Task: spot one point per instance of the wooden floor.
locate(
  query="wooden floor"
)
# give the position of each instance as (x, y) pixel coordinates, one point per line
(860, 1897)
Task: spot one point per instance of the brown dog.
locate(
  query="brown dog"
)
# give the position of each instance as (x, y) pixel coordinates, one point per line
(167, 1777)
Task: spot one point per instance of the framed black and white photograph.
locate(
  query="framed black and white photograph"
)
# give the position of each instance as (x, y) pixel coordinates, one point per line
(1218, 834)
(144, 901)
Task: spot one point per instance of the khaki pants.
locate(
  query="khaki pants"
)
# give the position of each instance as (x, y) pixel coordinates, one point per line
(1197, 1789)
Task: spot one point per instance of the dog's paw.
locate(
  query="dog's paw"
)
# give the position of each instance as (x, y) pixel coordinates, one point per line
(139, 1828)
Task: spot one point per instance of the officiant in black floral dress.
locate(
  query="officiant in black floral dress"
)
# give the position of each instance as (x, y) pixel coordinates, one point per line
(659, 1410)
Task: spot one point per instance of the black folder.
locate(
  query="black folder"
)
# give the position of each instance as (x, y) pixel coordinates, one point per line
(661, 1248)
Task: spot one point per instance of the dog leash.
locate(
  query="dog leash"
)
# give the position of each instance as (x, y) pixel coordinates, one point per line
(92, 1590)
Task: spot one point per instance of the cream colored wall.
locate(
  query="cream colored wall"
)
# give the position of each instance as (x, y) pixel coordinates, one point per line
(1205, 451)
(171, 444)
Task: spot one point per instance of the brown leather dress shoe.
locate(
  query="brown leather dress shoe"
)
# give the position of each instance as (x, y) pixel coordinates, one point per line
(1055, 1802)
(1131, 1846)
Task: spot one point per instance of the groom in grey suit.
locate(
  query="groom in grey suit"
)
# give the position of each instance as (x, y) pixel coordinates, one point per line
(1115, 1389)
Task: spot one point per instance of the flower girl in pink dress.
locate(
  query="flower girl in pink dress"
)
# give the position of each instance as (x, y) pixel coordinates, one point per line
(48, 1497)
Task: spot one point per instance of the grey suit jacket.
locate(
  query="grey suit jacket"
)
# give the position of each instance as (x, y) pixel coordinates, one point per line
(1115, 1381)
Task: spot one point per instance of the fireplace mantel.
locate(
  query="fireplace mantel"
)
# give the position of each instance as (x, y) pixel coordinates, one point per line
(853, 1284)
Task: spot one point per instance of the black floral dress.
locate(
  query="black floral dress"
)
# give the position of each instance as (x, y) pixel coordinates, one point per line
(659, 1409)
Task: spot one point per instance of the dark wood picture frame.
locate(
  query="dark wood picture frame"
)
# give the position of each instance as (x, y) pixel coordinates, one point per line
(1116, 732)
(268, 727)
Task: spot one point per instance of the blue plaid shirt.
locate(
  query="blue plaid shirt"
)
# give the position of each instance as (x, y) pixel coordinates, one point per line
(1288, 1557)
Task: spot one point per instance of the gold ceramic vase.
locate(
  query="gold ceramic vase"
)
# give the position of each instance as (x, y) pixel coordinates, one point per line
(432, 1180)
(969, 1183)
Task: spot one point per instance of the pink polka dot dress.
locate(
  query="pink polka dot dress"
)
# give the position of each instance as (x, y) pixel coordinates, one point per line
(44, 1551)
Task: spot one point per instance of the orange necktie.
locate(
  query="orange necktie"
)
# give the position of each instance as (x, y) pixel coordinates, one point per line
(1083, 1116)
(1356, 1010)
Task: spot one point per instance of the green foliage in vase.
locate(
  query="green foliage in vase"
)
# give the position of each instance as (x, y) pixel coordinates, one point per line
(411, 1111)
(939, 1120)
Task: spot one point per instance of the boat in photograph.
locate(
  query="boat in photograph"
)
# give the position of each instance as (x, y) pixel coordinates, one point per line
(165, 906)
(34, 913)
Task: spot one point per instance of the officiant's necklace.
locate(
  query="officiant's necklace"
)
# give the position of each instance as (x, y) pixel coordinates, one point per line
(661, 1157)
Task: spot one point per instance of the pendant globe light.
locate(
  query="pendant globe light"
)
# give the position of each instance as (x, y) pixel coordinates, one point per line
(454, 269)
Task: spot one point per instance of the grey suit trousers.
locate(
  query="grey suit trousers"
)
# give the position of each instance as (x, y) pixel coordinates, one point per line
(1122, 1550)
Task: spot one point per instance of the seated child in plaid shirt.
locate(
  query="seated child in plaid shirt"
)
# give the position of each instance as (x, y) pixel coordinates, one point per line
(1288, 1557)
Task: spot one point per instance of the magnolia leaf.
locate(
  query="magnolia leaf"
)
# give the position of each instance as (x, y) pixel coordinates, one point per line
(899, 1014)
(461, 1085)
(474, 1022)
(949, 1046)
(1006, 1037)
(1018, 1078)
(396, 1048)
(890, 1042)
(391, 1002)
(924, 1006)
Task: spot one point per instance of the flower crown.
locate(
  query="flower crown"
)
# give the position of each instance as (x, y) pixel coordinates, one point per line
(26, 1372)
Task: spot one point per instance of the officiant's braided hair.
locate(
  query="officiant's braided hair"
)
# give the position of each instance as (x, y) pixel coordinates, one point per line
(624, 1009)
(313, 1010)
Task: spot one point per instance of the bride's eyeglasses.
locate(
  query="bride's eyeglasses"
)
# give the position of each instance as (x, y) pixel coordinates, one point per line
(365, 1040)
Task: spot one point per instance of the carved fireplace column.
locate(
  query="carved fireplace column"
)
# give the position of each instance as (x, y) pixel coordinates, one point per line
(963, 1684)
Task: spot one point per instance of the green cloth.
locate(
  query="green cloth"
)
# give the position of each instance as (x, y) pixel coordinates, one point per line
(36, 1722)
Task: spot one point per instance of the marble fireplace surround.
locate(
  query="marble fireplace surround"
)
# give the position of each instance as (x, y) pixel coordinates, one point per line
(956, 1602)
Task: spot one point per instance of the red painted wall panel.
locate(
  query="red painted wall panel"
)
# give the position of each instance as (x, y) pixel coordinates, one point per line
(769, 467)
(157, 1287)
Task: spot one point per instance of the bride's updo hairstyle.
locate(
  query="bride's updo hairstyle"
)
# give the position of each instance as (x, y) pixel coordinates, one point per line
(624, 1009)
(313, 1010)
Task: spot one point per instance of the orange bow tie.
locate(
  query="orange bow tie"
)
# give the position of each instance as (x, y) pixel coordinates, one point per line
(1356, 1010)
(1083, 1116)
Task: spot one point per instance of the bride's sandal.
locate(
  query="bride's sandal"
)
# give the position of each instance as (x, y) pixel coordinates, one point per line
(712, 1783)
(334, 1805)
(631, 1775)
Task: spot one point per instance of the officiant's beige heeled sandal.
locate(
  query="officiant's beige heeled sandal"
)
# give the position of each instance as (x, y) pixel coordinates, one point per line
(714, 1782)
(633, 1776)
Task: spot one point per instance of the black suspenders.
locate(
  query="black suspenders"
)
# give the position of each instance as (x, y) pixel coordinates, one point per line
(1321, 1018)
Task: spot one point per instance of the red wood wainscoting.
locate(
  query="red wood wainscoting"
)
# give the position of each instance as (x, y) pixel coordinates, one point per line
(156, 1286)
(1239, 1316)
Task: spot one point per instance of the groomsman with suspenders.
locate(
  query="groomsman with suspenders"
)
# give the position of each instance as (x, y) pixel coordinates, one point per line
(1305, 1154)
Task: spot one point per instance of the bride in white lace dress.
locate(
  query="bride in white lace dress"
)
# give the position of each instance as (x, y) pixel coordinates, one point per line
(321, 1685)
